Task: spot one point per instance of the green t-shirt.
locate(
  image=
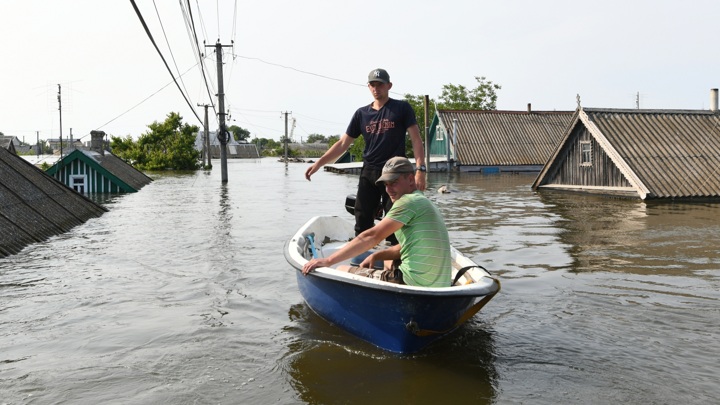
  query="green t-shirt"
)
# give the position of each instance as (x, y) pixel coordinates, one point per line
(424, 241)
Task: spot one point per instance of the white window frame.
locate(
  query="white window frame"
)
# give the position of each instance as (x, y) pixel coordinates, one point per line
(586, 153)
(82, 183)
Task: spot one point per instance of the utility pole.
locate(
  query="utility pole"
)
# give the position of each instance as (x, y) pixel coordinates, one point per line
(206, 138)
(223, 135)
(60, 109)
(37, 144)
(286, 135)
(426, 103)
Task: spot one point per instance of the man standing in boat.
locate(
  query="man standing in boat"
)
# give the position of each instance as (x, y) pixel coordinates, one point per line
(423, 251)
(383, 125)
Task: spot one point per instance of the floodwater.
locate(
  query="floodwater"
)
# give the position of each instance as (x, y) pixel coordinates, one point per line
(180, 294)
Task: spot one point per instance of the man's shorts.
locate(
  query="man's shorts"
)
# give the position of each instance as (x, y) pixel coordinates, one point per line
(393, 275)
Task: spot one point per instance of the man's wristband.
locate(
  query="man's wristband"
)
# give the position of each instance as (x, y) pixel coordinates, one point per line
(421, 168)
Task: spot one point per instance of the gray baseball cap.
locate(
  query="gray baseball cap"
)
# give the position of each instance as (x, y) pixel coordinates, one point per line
(378, 75)
(394, 168)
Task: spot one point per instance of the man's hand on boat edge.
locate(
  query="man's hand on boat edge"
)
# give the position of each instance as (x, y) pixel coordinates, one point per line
(315, 263)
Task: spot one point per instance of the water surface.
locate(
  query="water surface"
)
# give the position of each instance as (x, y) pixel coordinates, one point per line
(180, 294)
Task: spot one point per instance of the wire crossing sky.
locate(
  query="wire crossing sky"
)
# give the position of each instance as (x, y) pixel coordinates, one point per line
(312, 58)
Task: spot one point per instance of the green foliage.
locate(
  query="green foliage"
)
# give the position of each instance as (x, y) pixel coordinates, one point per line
(312, 138)
(418, 105)
(268, 147)
(239, 134)
(482, 97)
(167, 145)
(356, 149)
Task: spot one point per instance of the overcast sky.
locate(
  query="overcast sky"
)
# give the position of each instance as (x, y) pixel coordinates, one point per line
(312, 58)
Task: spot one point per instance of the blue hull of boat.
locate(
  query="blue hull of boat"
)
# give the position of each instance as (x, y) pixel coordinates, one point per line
(384, 318)
(397, 318)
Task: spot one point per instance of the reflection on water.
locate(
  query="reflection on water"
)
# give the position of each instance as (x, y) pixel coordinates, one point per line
(634, 236)
(180, 294)
(326, 367)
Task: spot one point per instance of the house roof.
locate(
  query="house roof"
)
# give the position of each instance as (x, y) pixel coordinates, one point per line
(8, 142)
(128, 178)
(505, 138)
(662, 153)
(34, 206)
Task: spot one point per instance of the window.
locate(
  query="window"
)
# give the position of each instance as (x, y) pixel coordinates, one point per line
(439, 133)
(77, 183)
(585, 153)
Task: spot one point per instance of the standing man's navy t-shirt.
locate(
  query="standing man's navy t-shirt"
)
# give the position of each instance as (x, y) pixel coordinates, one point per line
(383, 130)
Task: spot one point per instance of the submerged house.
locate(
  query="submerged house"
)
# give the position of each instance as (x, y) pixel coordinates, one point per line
(645, 154)
(34, 206)
(97, 171)
(496, 141)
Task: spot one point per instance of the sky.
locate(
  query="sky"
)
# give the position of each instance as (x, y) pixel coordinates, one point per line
(310, 59)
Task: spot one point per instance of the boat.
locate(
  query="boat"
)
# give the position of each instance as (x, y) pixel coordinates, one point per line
(397, 318)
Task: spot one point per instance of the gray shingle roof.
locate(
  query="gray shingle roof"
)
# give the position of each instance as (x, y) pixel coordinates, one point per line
(505, 138)
(119, 168)
(34, 206)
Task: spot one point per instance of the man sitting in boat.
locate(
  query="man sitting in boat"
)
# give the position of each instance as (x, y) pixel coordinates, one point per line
(424, 245)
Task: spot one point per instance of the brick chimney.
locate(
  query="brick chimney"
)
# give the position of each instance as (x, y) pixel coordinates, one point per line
(97, 141)
(713, 99)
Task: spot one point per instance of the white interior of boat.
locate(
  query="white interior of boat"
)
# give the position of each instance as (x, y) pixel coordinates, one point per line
(325, 235)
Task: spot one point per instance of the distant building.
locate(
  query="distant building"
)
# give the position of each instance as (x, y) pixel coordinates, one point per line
(497, 141)
(34, 206)
(10, 143)
(235, 149)
(67, 145)
(97, 171)
(646, 154)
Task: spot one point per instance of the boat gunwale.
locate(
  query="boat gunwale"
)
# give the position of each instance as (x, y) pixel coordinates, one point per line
(487, 285)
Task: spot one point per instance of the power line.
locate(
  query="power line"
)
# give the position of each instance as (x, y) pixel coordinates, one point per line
(198, 53)
(172, 55)
(147, 31)
(138, 104)
(300, 71)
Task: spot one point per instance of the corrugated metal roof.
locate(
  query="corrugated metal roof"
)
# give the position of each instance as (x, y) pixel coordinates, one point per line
(505, 138)
(119, 168)
(34, 206)
(674, 153)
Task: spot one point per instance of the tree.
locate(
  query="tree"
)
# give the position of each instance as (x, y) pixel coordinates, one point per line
(239, 134)
(269, 147)
(418, 105)
(312, 138)
(482, 97)
(167, 145)
(356, 149)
